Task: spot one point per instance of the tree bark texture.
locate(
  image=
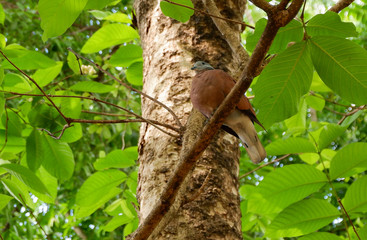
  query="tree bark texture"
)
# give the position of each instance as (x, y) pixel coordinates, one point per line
(211, 205)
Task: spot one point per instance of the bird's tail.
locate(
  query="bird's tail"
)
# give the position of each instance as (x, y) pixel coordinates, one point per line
(245, 129)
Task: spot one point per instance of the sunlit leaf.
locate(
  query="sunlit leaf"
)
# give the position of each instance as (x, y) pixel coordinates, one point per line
(355, 199)
(118, 159)
(134, 73)
(320, 236)
(290, 145)
(47, 75)
(179, 13)
(116, 222)
(126, 55)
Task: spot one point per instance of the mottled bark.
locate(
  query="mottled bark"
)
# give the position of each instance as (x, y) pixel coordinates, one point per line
(210, 208)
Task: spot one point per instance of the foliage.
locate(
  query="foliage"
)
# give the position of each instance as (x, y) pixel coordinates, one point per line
(311, 97)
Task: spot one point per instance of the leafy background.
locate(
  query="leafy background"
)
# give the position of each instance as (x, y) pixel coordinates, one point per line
(310, 97)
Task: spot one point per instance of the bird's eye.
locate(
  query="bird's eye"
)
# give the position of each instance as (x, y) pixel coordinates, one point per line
(202, 63)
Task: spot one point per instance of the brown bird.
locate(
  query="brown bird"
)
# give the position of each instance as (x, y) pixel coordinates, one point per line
(209, 88)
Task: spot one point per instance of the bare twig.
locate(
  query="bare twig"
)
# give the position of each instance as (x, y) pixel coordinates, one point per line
(31, 212)
(264, 165)
(351, 113)
(53, 135)
(38, 86)
(178, 122)
(152, 122)
(340, 5)
(188, 158)
(346, 213)
(211, 15)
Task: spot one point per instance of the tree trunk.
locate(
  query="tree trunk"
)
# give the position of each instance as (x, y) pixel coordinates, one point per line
(211, 204)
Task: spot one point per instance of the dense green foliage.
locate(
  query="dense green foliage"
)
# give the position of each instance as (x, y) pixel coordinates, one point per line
(310, 97)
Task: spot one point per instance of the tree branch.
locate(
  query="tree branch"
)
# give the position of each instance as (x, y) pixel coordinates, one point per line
(340, 5)
(178, 122)
(188, 158)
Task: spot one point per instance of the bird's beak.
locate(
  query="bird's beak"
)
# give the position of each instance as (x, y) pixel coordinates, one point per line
(193, 68)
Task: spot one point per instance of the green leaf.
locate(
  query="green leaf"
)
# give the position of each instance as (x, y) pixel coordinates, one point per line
(16, 83)
(15, 127)
(341, 64)
(99, 4)
(355, 199)
(310, 158)
(58, 158)
(35, 149)
(296, 124)
(179, 13)
(349, 160)
(86, 210)
(46, 75)
(118, 159)
(116, 222)
(118, 17)
(302, 218)
(282, 83)
(100, 15)
(318, 85)
(2, 104)
(2, 42)
(18, 191)
(134, 73)
(290, 145)
(293, 32)
(109, 35)
(13, 145)
(91, 86)
(126, 55)
(58, 15)
(73, 63)
(26, 60)
(2, 15)
(26, 176)
(72, 134)
(329, 24)
(316, 102)
(363, 232)
(285, 186)
(320, 236)
(98, 185)
(329, 133)
(51, 185)
(4, 200)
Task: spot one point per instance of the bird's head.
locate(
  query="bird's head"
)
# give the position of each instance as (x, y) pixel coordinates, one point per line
(201, 65)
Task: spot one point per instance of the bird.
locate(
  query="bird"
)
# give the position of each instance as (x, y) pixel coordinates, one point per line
(208, 90)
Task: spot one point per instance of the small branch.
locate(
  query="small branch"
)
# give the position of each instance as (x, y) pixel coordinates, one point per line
(350, 221)
(129, 87)
(106, 114)
(31, 212)
(35, 83)
(351, 113)
(340, 5)
(152, 122)
(264, 5)
(264, 165)
(211, 15)
(327, 100)
(53, 135)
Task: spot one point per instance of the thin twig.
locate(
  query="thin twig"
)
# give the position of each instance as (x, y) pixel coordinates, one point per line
(327, 100)
(61, 131)
(178, 122)
(350, 221)
(351, 113)
(31, 212)
(211, 15)
(107, 114)
(152, 122)
(264, 165)
(38, 86)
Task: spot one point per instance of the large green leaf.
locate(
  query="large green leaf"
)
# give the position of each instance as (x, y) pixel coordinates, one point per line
(15, 126)
(118, 159)
(290, 145)
(26, 176)
(46, 75)
(355, 199)
(116, 222)
(109, 35)
(126, 55)
(349, 160)
(285, 186)
(26, 60)
(316, 102)
(179, 13)
(58, 15)
(293, 32)
(302, 218)
(91, 86)
(35, 149)
(2, 15)
(98, 185)
(16, 83)
(14, 144)
(86, 210)
(58, 158)
(320, 236)
(329, 24)
(329, 133)
(282, 83)
(134, 73)
(341, 64)
(99, 4)
(18, 190)
(51, 185)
